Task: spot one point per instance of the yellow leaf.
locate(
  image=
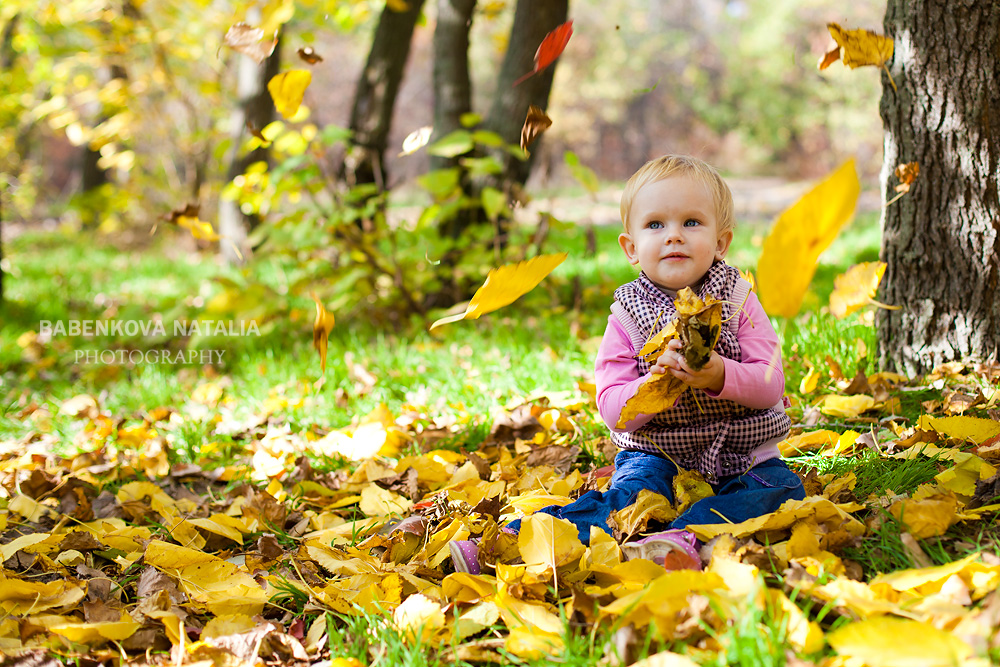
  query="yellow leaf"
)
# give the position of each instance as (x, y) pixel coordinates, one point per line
(418, 617)
(689, 488)
(927, 517)
(788, 258)
(321, 330)
(97, 633)
(658, 393)
(275, 14)
(531, 643)
(666, 659)
(376, 501)
(807, 442)
(813, 508)
(21, 597)
(657, 343)
(505, 285)
(861, 47)
(416, 140)
(855, 288)
(29, 508)
(898, 642)
(846, 407)
(287, 90)
(964, 428)
(805, 635)
(199, 228)
(546, 540)
(647, 506)
(809, 382)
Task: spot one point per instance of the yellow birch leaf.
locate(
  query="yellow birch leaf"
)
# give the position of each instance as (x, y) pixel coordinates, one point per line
(531, 644)
(814, 508)
(467, 588)
(899, 642)
(418, 617)
(861, 47)
(29, 508)
(199, 228)
(230, 624)
(275, 14)
(807, 442)
(287, 90)
(647, 506)
(376, 501)
(476, 619)
(805, 635)
(846, 407)
(657, 344)
(964, 428)
(658, 393)
(321, 330)
(689, 488)
(809, 382)
(788, 258)
(220, 524)
(546, 540)
(21, 597)
(505, 285)
(856, 288)
(926, 517)
(666, 659)
(97, 633)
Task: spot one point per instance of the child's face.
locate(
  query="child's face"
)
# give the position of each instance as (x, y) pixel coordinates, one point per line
(673, 233)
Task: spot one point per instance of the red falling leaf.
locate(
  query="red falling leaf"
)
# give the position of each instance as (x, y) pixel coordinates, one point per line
(550, 49)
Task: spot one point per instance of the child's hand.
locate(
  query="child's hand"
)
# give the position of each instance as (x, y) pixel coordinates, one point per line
(712, 375)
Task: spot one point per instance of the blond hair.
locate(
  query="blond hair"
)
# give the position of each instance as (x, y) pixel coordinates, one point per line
(673, 165)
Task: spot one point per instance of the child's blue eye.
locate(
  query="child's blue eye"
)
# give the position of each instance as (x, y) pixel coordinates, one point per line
(655, 224)
(691, 223)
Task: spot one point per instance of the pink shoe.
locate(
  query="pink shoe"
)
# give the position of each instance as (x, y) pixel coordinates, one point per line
(464, 556)
(673, 549)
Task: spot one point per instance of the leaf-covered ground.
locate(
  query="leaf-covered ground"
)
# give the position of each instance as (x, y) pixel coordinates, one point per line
(308, 546)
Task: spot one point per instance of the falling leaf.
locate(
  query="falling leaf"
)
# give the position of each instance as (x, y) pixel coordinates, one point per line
(535, 123)
(321, 330)
(550, 49)
(416, 140)
(187, 218)
(830, 57)
(287, 90)
(898, 642)
(856, 288)
(906, 173)
(250, 41)
(809, 382)
(307, 54)
(505, 285)
(788, 258)
(861, 47)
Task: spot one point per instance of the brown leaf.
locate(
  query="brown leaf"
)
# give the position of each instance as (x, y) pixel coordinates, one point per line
(321, 330)
(269, 547)
(96, 611)
(307, 54)
(906, 173)
(255, 131)
(830, 57)
(482, 467)
(518, 424)
(560, 458)
(859, 385)
(250, 41)
(152, 581)
(81, 541)
(535, 123)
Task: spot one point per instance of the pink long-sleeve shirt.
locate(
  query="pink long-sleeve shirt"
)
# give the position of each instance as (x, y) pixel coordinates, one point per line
(756, 382)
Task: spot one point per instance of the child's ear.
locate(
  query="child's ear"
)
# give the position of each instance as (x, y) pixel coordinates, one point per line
(725, 238)
(628, 247)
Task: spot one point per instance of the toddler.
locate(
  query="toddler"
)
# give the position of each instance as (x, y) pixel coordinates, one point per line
(678, 222)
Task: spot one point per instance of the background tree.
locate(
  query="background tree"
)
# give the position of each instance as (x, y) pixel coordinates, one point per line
(942, 240)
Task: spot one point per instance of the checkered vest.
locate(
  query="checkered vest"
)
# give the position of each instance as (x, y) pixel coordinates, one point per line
(712, 435)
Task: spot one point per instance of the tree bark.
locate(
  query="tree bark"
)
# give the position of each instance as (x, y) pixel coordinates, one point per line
(375, 95)
(452, 85)
(6, 62)
(533, 20)
(941, 241)
(256, 108)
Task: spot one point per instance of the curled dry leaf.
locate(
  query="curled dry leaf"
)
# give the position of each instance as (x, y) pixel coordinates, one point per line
(250, 41)
(535, 123)
(321, 330)
(906, 173)
(699, 324)
(310, 56)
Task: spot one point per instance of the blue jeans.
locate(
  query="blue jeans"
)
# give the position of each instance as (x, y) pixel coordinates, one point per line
(758, 491)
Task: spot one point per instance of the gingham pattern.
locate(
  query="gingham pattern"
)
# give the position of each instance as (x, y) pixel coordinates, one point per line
(717, 437)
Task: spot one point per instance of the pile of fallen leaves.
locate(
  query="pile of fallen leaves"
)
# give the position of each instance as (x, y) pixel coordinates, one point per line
(118, 554)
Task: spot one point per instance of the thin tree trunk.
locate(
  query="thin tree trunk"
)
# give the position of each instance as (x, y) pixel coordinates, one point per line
(255, 107)
(452, 85)
(375, 96)
(533, 20)
(941, 241)
(6, 63)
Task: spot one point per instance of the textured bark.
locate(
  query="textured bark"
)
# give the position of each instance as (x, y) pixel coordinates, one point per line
(257, 108)
(941, 241)
(452, 86)
(375, 96)
(532, 21)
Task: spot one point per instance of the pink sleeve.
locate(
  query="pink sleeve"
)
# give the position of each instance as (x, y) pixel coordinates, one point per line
(617, 377)
(758, 381)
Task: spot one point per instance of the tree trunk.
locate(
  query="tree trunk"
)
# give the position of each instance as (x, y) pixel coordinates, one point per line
(452, 85)
(256, 108)
(6, 62)
(532, 21)
(941, 241)
(375, 96)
